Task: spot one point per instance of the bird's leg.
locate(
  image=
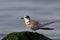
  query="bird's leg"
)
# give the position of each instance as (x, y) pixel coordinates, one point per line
(32, 31)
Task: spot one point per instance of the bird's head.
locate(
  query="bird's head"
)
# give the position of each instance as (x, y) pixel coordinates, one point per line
(26, 17)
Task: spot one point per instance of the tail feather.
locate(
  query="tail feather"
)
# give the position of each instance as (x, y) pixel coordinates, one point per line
(49, 23)
(47, 28)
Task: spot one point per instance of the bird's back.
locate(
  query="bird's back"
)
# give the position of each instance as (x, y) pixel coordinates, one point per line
(33, 24)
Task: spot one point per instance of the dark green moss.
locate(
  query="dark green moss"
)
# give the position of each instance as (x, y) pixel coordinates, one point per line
(25, 36)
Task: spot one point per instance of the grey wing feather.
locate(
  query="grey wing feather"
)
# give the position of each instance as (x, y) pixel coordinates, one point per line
(49, 23)
(48, 28)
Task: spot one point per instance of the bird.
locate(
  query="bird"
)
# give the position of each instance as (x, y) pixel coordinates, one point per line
(35, 25)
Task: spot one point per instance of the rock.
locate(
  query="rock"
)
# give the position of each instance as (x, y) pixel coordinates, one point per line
(25, 35)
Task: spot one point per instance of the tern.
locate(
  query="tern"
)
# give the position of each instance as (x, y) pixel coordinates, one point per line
(35, 25)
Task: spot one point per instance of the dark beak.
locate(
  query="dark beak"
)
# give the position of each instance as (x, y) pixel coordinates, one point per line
(22, 18)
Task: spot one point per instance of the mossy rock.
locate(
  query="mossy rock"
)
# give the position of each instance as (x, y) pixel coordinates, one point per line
(25, 35)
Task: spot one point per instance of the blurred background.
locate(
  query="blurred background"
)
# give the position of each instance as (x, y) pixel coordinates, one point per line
(41, 10)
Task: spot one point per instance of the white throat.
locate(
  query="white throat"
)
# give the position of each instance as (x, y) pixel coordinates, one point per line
(27, 20)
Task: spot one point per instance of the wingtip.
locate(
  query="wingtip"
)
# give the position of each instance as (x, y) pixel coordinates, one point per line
(47, 28)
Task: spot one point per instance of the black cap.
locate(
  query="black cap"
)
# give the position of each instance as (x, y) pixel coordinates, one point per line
(27, 17)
